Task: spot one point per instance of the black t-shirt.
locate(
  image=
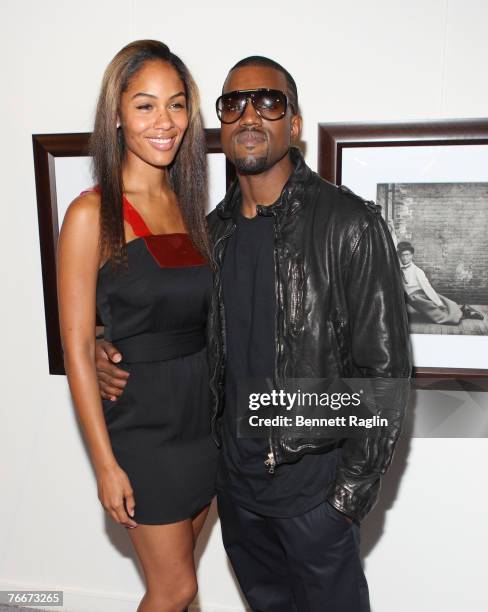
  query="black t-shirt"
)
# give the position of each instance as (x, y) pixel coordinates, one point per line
(248, 283)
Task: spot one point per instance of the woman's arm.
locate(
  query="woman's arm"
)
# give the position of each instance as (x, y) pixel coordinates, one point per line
(78, 264)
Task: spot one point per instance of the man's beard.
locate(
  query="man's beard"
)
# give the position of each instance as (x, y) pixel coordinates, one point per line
(251, 165)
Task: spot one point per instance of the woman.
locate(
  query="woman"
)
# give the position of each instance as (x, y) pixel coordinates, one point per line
(136, 247)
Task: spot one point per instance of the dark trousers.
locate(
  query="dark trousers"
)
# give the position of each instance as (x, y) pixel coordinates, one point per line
(308, 563)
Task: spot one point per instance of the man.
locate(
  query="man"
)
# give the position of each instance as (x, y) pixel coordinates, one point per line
(307, 285)
(423, 298)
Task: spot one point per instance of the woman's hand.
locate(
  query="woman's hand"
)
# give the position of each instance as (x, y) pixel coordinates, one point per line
(116, 495)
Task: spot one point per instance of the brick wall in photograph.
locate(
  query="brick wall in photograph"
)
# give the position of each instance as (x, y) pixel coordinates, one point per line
(447, 223)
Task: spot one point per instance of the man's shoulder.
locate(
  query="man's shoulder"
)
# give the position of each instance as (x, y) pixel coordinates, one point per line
(213, 219)
(343, 199)
(216, 224)
(339, 205)
(212, 216)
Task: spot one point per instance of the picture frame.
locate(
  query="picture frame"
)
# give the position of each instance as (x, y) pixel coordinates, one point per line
(440, 154)
(49, 151)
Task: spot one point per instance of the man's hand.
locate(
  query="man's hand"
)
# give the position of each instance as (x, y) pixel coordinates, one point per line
(347, 518)
(111, 380)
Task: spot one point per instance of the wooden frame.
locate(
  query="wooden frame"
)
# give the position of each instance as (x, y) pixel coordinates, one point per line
(335, 138)
(47, 147)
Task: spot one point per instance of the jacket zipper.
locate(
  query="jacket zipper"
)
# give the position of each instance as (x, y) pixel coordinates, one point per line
(223, 237)
(270, 461)
(220, 301)
(220, 305)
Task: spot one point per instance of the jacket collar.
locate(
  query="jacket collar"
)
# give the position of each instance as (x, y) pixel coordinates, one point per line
(291, 197)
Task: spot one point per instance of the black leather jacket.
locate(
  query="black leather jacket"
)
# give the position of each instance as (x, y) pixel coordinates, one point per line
(340, 313)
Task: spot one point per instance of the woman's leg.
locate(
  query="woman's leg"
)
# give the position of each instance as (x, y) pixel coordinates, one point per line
(198, 521)
(166, 556)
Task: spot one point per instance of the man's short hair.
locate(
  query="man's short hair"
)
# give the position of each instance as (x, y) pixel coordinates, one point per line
(260, 60)
(405, 246)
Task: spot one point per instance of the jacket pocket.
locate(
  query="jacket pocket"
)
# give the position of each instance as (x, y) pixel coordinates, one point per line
(341, 337)
(295, 297)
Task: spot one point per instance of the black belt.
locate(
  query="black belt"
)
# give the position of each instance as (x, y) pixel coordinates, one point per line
(160, 346)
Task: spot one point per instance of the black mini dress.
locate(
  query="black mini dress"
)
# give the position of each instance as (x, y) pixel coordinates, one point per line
(155, 314)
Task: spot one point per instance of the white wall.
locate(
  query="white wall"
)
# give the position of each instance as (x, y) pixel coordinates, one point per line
(354, 60)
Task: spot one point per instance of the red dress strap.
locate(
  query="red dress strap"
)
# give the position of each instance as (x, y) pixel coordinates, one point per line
(173, 250)
(134, 219)
(131, 216)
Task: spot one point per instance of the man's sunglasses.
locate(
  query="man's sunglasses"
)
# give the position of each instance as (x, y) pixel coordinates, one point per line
(270, 104)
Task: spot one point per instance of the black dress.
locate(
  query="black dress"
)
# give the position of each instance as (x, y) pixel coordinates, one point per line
(155, 314)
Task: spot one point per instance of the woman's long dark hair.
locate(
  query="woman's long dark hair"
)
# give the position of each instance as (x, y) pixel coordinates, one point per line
(187, 173)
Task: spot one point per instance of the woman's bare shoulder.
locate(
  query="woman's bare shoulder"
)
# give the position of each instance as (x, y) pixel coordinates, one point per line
(84, 209)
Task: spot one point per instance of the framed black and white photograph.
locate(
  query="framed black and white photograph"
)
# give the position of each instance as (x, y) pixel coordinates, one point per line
(62, 171)
(431, 181)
